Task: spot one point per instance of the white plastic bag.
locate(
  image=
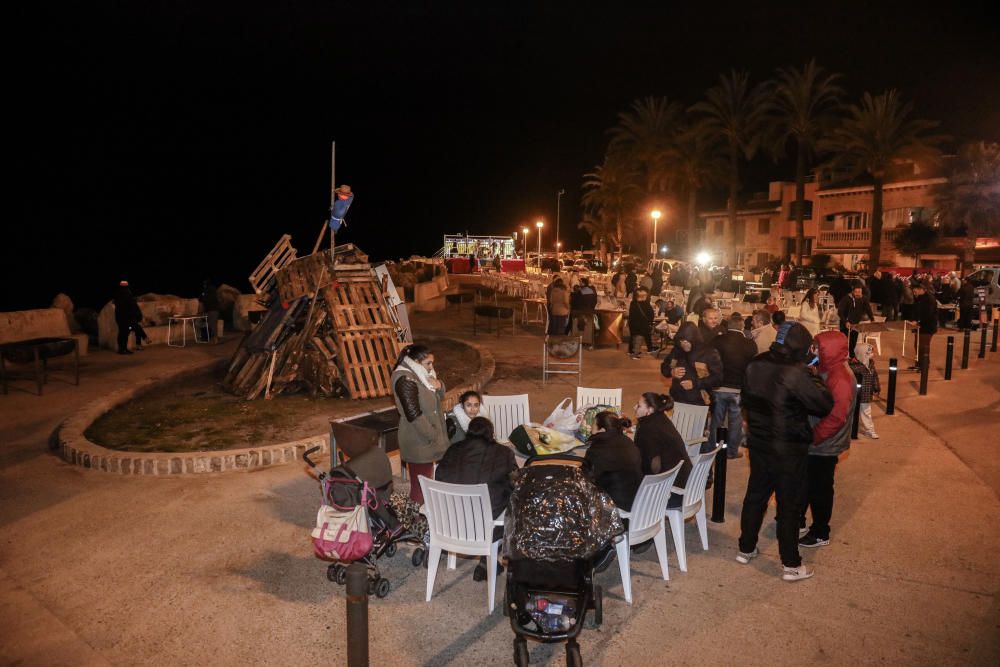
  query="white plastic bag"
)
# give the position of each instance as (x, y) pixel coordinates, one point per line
(563, 419)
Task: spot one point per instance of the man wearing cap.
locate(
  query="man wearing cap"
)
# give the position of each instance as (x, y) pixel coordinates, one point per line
(779, 395)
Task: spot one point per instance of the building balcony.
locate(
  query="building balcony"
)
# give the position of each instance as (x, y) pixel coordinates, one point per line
(853, 238)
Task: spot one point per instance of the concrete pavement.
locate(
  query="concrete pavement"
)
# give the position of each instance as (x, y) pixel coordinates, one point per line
(98, 569)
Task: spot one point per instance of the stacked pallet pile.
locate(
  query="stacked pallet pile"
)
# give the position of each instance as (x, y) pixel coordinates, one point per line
(328, 330)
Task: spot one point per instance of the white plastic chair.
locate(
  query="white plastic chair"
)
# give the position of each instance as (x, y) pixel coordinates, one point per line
(586, 396)
(645, 521)
(460, 520)
(690, 423)
(693, 505)
(506, 413)
(875, 338)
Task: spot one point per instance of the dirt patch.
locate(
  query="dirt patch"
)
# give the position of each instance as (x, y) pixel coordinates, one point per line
(195, 414)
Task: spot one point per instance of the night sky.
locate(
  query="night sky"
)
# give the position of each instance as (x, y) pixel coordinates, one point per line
(165, 142)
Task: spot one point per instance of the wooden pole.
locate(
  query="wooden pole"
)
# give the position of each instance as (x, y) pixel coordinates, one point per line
(333, 196)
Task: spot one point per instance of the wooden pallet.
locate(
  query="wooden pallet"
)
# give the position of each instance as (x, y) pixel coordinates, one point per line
(262, 279)
(304, 276)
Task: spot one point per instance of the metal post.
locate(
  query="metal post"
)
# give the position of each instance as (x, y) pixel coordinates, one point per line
(982, 341)
(558, 211)
(949, 357)
(857, 411)
(890, 399)
(357, 615)
(966, 339)
(996, 332)
(925, 363)
(719, 487)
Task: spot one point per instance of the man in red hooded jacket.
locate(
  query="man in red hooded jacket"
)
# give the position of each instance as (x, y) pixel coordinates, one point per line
(831, 436)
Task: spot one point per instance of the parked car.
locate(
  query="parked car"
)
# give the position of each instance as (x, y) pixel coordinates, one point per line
(989, 277)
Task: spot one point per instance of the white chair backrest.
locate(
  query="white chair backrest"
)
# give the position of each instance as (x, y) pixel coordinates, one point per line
(506, 413)
(587, 396)
(458, 514)
(651, 500)
(689, 420)
(694, 489)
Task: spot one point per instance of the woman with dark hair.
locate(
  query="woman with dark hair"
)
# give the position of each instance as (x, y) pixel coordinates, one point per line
(465, 410)
(423, 435)
(809, 312)
(479, 459)
(660, 446)
(614, 459)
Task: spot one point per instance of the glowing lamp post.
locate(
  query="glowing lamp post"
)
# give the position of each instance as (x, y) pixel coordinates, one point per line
(702, 258)
(524, 233)
(538, 259)
(656, 217)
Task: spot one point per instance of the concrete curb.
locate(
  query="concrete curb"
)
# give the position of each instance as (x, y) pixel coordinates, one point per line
(74, 447)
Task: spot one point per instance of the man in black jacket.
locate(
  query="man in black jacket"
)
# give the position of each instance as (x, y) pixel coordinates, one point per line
(924, 313)
(851, 309)
(779, 396)
(736, 351)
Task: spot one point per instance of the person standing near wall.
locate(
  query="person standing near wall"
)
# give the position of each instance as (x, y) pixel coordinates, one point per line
(210, 306)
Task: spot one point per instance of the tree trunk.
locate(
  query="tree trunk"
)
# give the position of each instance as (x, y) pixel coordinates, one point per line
(875, 247)
(800, 203)
(692, 218)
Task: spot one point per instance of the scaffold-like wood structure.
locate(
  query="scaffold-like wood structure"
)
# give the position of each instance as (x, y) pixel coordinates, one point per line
(328, 330)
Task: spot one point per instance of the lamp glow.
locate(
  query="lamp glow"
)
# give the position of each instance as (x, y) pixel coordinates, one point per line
(702, 258)
(656, 215)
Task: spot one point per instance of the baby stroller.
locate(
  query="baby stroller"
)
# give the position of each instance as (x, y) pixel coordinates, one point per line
(557, 523)
(344, 488)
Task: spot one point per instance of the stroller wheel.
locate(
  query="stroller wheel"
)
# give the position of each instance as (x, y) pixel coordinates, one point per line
(371, 587)
(419, 556)
(382, 588)
(573, 657)
(331, 572)
(598, 606)
(521, 658)
(390, 550)
(341, 575)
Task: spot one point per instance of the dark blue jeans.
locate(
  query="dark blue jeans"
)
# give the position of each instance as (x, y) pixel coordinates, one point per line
(726, 408)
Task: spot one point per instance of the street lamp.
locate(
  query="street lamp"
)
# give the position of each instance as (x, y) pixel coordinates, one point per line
(539, 224)
(524, 233)
(656, 217)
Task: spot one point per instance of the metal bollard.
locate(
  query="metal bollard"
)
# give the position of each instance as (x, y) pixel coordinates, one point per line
(996, 332)
(357, 615)
(965, 349)
(719, 487)
(925, 364)
(949, 357)
(890, 399)
(857, 411)
(982, 341)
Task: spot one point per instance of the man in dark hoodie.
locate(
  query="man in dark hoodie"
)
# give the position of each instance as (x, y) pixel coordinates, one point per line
(779, 396)
(695, 368)
(736, 351)
(831, 436)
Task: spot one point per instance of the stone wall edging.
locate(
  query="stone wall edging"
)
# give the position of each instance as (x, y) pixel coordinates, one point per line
(74, 447)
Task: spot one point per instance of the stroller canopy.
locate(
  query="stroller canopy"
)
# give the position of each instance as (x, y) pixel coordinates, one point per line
(558, 514)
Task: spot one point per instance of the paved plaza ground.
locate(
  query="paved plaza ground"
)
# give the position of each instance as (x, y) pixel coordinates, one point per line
(99, 569)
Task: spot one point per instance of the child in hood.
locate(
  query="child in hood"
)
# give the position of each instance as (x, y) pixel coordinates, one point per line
(864, 370)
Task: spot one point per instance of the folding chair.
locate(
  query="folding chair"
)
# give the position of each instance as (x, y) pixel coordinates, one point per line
(562, 355)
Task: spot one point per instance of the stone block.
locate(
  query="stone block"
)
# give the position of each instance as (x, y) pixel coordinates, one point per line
(176, 467)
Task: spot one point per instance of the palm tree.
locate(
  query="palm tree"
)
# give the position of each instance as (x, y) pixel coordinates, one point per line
(644, 136)
(876, 134)
(732, 113)
(970, 200)
(694, 164)
(801, 108)
(611, 193)
(602, 233)
(917, 238)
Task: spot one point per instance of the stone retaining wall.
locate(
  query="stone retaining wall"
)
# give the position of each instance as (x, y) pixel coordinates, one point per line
(75, 448)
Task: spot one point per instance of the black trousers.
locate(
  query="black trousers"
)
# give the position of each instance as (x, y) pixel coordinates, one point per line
(818, 494)
(852, 338)
(784, 476)
(123, 331)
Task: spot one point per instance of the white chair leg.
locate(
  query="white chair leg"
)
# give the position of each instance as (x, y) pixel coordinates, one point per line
(491, 573)
(677, 528)
(660, 541)
(433, 557)
(623, 567)
(702, 526)
(452, 560)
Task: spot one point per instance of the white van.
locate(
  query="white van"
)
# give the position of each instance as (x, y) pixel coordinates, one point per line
(988, 276)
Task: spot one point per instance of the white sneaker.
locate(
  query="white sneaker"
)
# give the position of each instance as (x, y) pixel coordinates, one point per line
(747, 557)
(803, 532)
(796, 573)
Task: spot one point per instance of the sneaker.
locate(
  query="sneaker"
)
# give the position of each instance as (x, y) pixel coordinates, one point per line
(604, 560)
(745, 558)
(634, 357)
(797, 573)
(913, 368)
(811, 541)
(803, 531)
(873, 436)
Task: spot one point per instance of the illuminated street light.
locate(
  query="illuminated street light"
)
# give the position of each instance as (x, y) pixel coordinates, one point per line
(539, 224)
(664, 250)
(524, 233)
(702, 258)
(656, 217)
